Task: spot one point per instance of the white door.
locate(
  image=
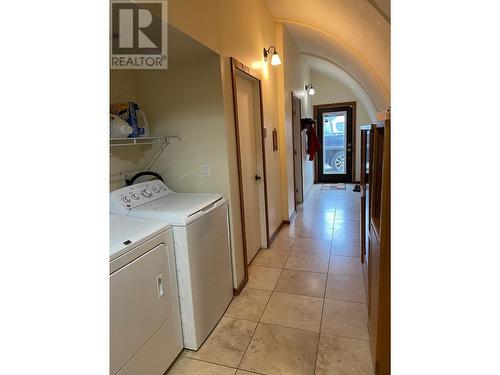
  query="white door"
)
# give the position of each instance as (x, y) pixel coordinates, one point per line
(249, 151)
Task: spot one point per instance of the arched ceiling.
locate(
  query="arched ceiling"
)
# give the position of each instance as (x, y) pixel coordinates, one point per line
(351, 34)
(329, 69)
(383, 7)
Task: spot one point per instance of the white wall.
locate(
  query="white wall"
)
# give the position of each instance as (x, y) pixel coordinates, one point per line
(294, 74)
(330, 90)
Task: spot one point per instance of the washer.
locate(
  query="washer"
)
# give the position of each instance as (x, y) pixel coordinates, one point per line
(201, 241)
(145, 325)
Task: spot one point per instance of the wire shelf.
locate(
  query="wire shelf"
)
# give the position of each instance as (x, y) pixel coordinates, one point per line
(134, 141)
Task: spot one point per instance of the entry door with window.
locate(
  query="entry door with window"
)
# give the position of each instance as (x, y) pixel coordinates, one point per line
(335, 133)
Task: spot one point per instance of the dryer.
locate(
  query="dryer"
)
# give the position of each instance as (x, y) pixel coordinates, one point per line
(202, 253)
(145, 326)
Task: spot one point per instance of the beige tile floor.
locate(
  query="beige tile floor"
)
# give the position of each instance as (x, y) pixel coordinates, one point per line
(303, 310)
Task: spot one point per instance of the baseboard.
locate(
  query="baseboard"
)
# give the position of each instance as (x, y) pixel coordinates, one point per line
(304, 194)
(237, 291)
(271, 239)
(292, 217)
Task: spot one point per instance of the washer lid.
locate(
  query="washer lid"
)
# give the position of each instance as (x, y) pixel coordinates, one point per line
(127, 232)
(176, 208)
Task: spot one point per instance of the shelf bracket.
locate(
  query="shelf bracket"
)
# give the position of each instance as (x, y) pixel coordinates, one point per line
(169, 137)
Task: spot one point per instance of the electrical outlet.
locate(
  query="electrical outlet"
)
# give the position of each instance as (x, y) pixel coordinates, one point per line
(205, 171)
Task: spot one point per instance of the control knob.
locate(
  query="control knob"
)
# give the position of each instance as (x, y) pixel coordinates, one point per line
(156, 189)
(147, 193)
(135, 196)
(126, 199)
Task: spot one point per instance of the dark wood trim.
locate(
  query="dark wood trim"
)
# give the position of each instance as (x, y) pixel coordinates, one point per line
(238, 290)
(245, 69)
(238, 157)
(299, 151)
(379, 255)
(380, 11)
(238, 66)
(293, 158)
(353, 105)
(263, 140)
(276, 232)
(330, 105)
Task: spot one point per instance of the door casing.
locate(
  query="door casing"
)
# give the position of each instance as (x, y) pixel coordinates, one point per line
(351, 127)
(297, 151)
(241, 69)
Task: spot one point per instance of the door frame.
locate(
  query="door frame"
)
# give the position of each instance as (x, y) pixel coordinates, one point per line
(238, 67)
(339, 107)
(297, 153)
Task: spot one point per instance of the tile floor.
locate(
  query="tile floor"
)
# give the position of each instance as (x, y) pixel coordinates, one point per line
(303, 310)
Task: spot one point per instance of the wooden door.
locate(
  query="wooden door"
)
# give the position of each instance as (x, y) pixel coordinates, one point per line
(336, 129)
(250, 173)
(297, 150)
(366, 157)
(379, 270)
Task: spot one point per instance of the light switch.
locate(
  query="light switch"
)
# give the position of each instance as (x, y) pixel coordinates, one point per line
(205, 171)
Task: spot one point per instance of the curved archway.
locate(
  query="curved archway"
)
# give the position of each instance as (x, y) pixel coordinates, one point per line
(321, 46)
(331, 69)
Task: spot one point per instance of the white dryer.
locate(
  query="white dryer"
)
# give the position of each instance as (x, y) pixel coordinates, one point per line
(145, 325)
(201, 241)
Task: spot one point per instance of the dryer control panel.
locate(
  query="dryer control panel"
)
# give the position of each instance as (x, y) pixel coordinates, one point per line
(128, 197)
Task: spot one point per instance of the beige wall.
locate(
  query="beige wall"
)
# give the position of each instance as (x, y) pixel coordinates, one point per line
(240, 29)
(236, 28)
(185, 100)
(331, 90)
(293, 74)
(193, 99)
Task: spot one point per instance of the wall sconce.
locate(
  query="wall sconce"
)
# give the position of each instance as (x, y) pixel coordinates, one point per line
(310, 89)
(275, 58)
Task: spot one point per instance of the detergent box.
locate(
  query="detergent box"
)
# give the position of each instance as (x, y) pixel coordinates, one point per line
(128, 112)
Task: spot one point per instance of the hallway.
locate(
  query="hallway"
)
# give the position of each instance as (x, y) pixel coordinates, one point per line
(303, 310)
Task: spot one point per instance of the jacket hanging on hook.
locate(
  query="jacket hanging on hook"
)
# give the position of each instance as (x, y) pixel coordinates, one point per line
(313, 143)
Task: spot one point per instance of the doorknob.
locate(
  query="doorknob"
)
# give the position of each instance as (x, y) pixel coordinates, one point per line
(257, 177)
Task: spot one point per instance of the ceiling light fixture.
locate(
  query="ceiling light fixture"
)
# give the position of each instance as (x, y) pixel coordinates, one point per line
(310, 89)
(275, 58)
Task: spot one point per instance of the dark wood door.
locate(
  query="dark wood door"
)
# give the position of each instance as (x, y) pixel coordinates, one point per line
(336, 135)
(379, 255)
(297, 150)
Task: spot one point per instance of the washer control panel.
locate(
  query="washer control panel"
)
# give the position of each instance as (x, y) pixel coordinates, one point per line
(128, 197)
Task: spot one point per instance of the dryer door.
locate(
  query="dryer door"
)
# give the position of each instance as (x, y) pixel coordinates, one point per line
(141, 301)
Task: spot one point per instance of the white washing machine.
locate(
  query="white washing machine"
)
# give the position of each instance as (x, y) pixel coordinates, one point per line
(202, 253)
(145, 325)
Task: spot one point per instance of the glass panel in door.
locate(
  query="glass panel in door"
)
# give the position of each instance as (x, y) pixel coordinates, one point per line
(334, 143)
